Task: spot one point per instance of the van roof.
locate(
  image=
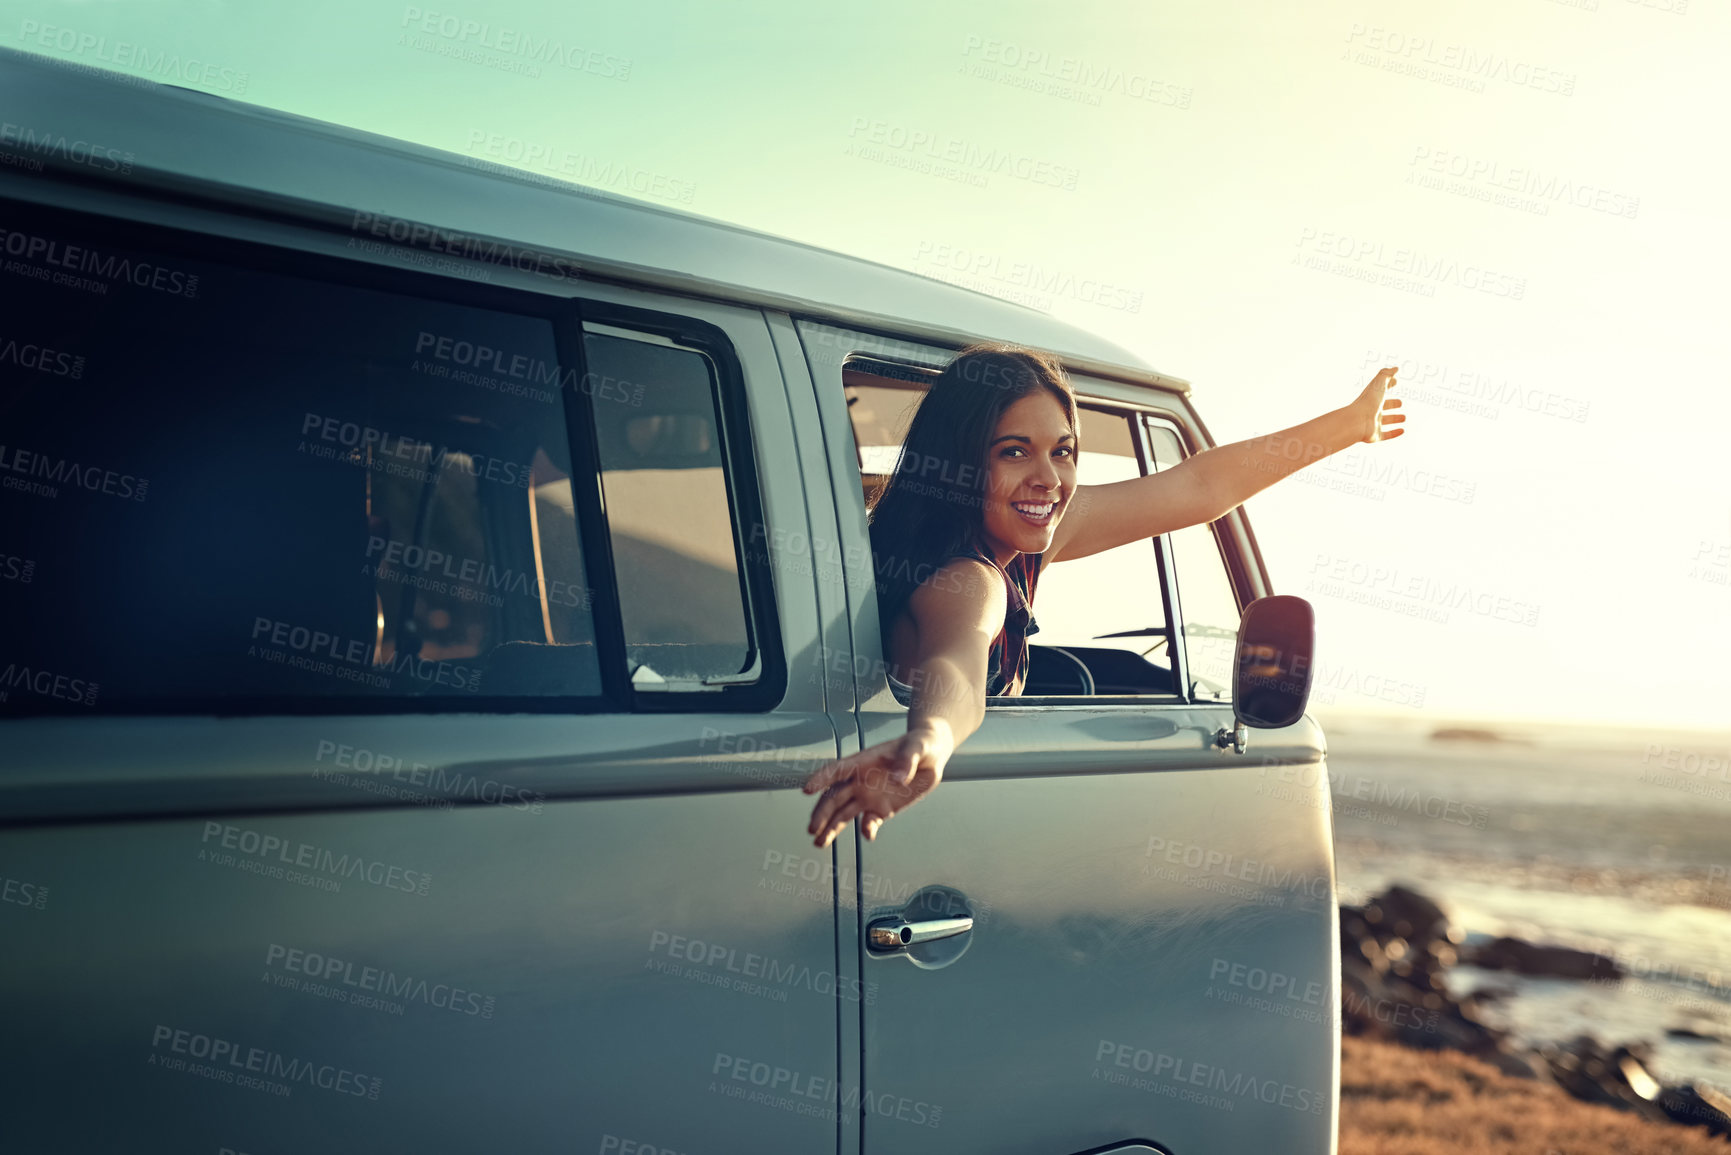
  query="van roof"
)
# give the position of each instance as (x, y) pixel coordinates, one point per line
(183, 141)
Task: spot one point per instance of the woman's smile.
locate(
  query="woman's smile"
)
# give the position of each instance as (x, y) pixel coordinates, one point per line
(1042, 512)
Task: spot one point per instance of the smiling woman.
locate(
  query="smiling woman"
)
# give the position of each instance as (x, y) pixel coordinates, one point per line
(988, 460)
(983, 495)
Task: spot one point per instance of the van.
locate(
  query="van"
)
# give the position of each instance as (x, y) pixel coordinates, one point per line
(423, 587)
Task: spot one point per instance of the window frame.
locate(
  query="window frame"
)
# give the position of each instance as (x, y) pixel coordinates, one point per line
(916, 372)
(1237, 580)
(566, 315)
(1238, 566)
(765, 654)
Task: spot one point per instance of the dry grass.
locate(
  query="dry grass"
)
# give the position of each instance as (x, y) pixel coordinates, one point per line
(1398, 1101)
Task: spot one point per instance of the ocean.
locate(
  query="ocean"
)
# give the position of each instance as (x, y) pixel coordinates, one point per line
(1609, 840)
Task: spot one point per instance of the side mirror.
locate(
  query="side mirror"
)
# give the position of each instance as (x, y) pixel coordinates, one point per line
(1271, 675)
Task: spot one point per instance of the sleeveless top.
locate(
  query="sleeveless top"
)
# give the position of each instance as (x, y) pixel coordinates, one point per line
(1007, 660)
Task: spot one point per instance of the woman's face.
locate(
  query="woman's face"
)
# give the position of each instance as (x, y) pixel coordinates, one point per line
(1030, 475)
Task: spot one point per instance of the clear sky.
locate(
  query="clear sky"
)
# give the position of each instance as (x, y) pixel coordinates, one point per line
(1523, 203)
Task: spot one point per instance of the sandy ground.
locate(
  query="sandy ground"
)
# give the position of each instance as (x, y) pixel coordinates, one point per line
(1398, 1101)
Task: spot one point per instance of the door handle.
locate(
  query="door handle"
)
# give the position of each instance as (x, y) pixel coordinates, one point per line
(895, 933)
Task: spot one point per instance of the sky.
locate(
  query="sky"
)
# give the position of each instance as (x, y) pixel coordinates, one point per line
(1521, 203)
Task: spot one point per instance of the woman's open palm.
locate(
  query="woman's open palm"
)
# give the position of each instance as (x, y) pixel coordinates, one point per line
(877, 782)
(1382, 422)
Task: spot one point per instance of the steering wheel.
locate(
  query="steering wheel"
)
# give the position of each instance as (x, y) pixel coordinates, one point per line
(1083, 674)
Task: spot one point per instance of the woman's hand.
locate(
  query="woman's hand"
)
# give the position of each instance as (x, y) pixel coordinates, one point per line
(877, 782)
(1377, 415)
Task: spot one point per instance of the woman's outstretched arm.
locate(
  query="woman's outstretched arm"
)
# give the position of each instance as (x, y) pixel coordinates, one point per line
(956, 612)
(1214, 482)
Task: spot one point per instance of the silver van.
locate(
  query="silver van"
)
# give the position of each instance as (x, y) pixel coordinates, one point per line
(422, 587)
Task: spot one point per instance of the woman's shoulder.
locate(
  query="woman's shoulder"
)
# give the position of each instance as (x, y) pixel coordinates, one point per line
(964, 580)
(1022, 571)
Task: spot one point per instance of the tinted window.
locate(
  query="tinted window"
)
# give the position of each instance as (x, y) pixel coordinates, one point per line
(233, 482)
(669, 516)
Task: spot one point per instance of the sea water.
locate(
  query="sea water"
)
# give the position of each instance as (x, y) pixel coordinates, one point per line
(1618, 843)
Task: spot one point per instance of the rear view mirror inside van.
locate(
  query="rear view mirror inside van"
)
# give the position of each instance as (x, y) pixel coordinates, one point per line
(1271, 678)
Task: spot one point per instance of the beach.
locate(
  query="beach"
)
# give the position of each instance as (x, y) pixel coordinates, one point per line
(1615, 842)
(1398, 1101)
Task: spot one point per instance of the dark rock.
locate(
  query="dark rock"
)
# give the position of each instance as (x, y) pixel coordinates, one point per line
(1395, 952)
(1443, 955)
(1519, 1063)
(1492, 994)
(1693, 1033)
(1615, 1076)
(1474, 734)
(1522, 957)
(1698, 1107)
(1410, 915)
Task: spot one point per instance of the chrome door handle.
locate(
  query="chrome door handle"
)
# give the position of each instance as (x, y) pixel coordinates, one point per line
(888, 935)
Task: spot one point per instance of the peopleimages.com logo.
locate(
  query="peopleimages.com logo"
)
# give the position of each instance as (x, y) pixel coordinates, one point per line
(357, 765)
(41, 358)
(519, 46)
(467, 246)
(156, 63)
(301, 647)
(108, 266)
(30, 894)
(226, 1061)
(56, 471)
(400, 455)
(46, 684)
(269, 849)
(361, 979)
(34, 145)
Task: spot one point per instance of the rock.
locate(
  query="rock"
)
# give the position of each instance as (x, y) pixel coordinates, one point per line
(1698, 1107)
(1395, 952)
(1492, 994)
(1693, 1033)
(1617, 1077)
(1407, 914)
(1521, 1064)
(1443, 955)
(1474, 734)
(1522, 957)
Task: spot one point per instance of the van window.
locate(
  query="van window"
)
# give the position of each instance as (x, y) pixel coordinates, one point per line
(1207, 604)
(1108, 608)
(235, 483)
(669, 515)
(1109, 600)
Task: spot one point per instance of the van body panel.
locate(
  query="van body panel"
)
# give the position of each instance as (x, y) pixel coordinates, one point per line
(823, 553)
(58, 769)
(498, 979)
(1133, 887)
(1126, 927)
(818, 550)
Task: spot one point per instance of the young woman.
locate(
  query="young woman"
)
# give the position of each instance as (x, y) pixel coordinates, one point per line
(983, 497)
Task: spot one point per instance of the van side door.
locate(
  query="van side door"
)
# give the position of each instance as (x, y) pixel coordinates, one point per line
(1149, 948)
